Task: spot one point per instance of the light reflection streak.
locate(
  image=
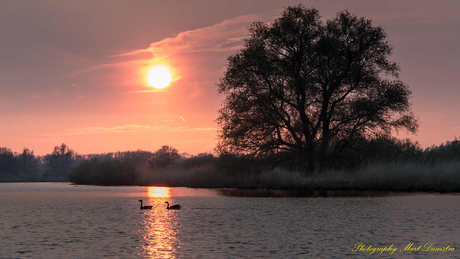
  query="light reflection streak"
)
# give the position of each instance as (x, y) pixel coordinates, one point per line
(158, 192)
(160, 231)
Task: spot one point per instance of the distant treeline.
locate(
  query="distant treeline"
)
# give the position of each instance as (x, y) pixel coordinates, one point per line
(26, 166)
(167, 166)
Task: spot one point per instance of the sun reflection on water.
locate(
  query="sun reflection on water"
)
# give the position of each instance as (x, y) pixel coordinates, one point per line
(158, 192)
(160, 227)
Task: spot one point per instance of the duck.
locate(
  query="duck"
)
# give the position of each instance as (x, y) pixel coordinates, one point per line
(145, 207)
(173, 207)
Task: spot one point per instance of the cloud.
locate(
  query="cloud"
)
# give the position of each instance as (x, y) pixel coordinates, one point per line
(131, 129)
(227, 35)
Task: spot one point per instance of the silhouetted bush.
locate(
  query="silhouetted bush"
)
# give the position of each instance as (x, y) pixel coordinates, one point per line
(106, 172)
(203, 159)
(377, 150)
(450, 151)
(164, 157)
(122, 168)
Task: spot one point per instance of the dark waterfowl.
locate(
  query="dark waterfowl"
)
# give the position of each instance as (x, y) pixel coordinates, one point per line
(173, 207)
(145, 207)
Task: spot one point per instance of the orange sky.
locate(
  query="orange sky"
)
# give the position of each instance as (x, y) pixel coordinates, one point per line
(75, 72)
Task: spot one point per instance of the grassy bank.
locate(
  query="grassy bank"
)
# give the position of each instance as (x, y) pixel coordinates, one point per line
(400, 177)
(409, 176)
(397, 176)
(378, 165)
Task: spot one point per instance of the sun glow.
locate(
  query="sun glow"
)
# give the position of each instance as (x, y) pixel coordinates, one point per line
(158, 192)
(159, 77)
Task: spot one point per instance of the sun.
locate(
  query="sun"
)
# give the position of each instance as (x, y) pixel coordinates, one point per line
(159, 77)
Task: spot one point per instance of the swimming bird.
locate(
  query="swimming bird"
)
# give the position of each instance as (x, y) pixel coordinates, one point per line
(173, 207)
(145, 207)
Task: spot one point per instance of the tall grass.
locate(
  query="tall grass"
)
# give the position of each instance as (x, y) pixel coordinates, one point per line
(397, 176)
(211, 177)
(410, 176)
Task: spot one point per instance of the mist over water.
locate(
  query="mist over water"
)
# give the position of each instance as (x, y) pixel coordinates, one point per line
(58, 220)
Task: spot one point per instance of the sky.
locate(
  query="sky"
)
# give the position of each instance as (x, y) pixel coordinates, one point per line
(75, 72)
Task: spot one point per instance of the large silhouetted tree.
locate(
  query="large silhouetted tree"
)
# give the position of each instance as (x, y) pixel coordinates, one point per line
(311, 87)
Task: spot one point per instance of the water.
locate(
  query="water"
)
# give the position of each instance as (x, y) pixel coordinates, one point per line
(58, 220)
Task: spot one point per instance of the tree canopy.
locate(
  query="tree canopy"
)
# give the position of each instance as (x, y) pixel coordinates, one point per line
(311, 87)
(60, 161)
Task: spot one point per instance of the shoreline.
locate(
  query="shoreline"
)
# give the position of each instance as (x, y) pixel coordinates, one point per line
(245, 191)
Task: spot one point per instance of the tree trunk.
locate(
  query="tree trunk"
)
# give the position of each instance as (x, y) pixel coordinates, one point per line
(310, 165)
(310, 168)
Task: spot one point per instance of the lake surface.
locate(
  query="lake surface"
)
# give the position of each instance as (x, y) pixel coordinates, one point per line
(59, 220)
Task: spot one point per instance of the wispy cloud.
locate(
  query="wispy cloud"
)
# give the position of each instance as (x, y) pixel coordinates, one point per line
(130, 129)
(225, 36)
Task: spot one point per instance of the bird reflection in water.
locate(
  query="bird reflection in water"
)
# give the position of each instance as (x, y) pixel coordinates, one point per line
(160, 228)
